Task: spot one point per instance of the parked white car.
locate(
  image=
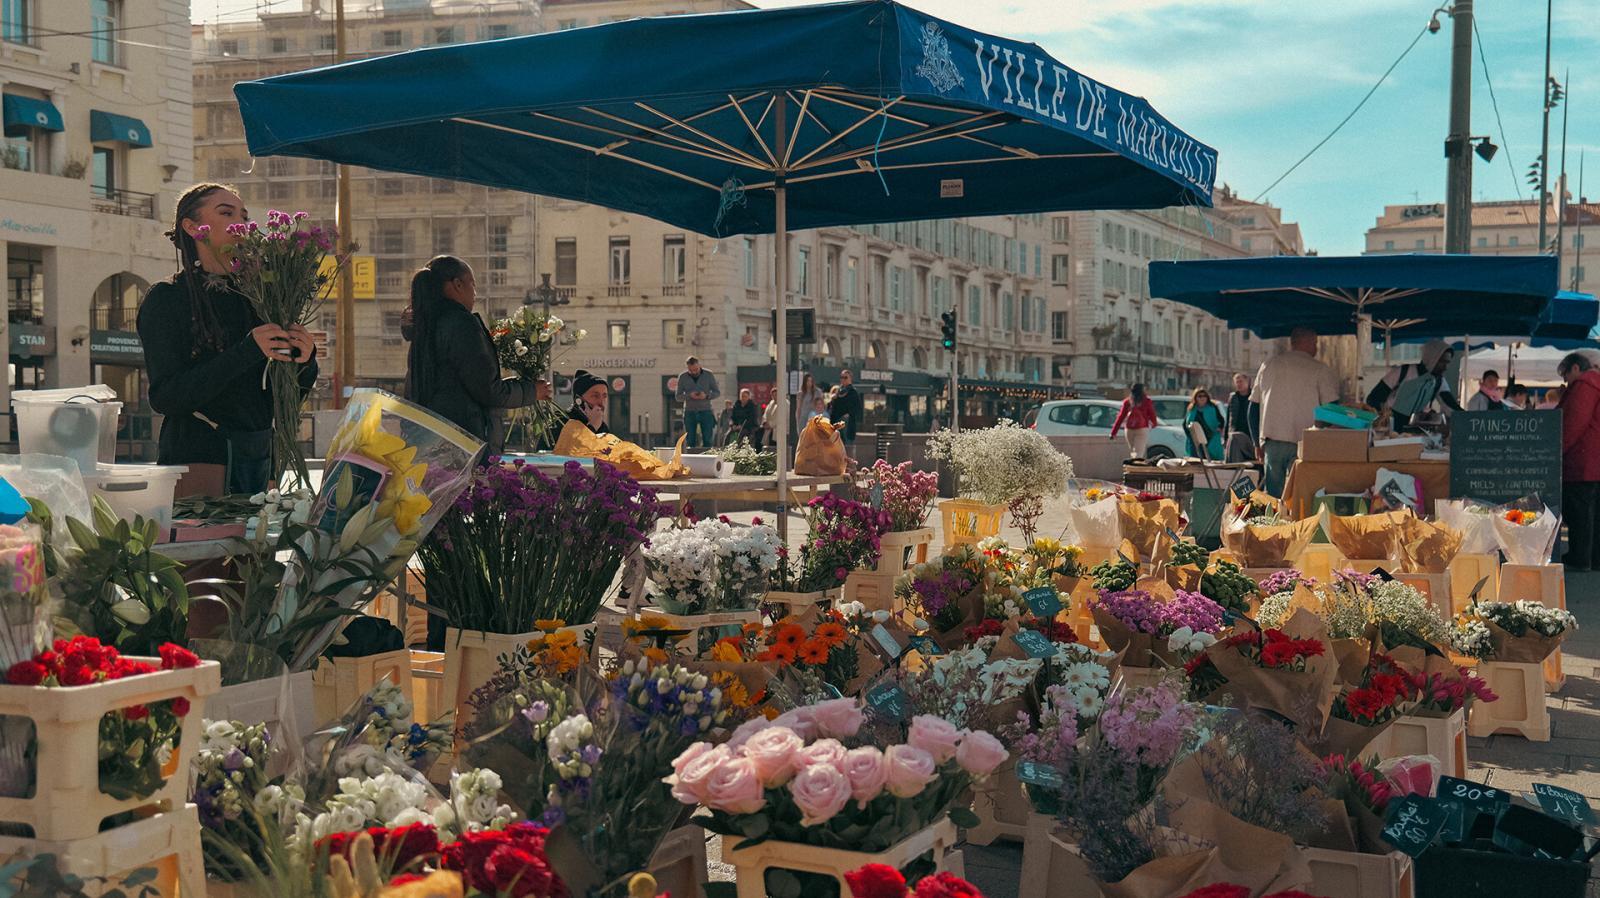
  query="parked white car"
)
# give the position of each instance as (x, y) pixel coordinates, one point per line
(1094, 417)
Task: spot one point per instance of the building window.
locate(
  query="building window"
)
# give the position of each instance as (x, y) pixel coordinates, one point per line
(103, 18)
(852, 279)
(1058, 327)
(830, 273)
(567, 261)
(227, 46)
(975, 306)
(802, 272)
(1388, 244)
(280, 167)
(495, 32)
(1422, 244)
(24, 151)
(16, 21)
(1060, 267)
(280, 45)
(280, 190)
(330, 189)
(104, 178)
(673, 333)
(897, 288)
(391, 187)
(673, 260)
(499, 246)
(443, 185)
(444, 239)
(391, 239)
(621, 262)
(617, 334)
(391, 39)
(1577, 274)
(1061, 229)
(1009, 311)
(327, 43)
(446, 35)
(749, 263)
(1577, 241)
(1512, 240)
(25, 282)
(1483, 241)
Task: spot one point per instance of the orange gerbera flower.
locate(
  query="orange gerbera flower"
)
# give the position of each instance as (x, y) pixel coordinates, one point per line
(783, 653)
(814, 651)
(790, 635)
(830, 633)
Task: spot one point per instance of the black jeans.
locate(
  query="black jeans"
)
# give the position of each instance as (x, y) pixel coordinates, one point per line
(1580, 506)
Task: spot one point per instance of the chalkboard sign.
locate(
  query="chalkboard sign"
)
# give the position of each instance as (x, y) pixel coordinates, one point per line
(1500, 456)
(926, 646)
(1564, 803)
(1455, 820)
(1036, 644)
(889, 700)
(1412, 823)
(1036, 774)
(887, 642)
(1044, 601)
(1473, 795)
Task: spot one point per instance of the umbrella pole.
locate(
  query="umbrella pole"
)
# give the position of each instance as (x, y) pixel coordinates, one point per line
(1363, 346)
(780, 329)
(1511, 364)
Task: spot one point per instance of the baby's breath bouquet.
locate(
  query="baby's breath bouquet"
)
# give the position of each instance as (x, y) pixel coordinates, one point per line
(1005, 465)
(527, 343)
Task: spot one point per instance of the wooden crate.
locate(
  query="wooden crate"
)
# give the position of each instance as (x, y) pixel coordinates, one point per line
(286, 704)
(1319, 561)
(876, 591)
(1259, 574)
(168, 842)
(1547, 585)
(1352, 874)
(898, 550)
(470, 660)
(1141, 676)
(1050, 867)
(427, 686)
(679, 864)
(1443, 737)
(1465, 572)
(966, 522)
(1368, 565)
(750, 865)
(1521, 708)
(67, 803)
(1435, 586)
(789, 603)
(338, 683)
(1001, 806)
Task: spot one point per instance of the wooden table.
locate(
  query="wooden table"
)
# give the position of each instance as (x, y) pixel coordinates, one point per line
(1307, 477)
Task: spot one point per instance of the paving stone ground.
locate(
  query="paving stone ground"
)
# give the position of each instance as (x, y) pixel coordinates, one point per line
(1570, 759)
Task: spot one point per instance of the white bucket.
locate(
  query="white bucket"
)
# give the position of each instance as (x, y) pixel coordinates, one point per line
(138, 490)
(80, 424)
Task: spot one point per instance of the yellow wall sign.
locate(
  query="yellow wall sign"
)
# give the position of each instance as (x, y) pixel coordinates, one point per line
(364, 271)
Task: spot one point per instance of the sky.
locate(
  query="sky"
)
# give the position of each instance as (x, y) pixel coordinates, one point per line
(1263, 81)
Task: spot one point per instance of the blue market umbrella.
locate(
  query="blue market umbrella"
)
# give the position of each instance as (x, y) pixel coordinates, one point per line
(1568, 322)
(747, 122)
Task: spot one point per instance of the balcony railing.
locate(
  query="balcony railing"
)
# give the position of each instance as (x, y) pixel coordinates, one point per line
(615, 290)
(124, 202)
(671, 289)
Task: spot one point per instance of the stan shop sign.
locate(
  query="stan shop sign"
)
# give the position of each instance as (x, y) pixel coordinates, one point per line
(1008, 76)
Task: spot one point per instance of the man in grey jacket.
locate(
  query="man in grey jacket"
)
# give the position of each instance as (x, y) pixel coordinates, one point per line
(697, 389)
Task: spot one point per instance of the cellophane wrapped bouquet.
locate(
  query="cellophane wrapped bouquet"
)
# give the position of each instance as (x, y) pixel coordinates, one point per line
(1526, 530)
(527, 343)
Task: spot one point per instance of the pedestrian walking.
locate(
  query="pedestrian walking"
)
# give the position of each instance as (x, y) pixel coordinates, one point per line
(1244, 422)
(1580, 460)
(1135, 418)
(1205, 413)
(1289, 387)
(848, 407)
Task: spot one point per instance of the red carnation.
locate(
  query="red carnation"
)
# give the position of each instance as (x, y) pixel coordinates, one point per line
(180, 706)
(876, 881)
(27, 673)
(1220, 890)
(946, 885)
(402, 847)
(175, 656)
(76, 675)
(136, 712)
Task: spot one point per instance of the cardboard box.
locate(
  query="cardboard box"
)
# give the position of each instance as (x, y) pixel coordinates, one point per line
(1398, 449)
(1333, 444)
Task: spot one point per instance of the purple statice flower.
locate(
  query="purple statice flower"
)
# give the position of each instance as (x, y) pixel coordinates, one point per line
(1355, 577)
(1284, 580)
(1142, 613)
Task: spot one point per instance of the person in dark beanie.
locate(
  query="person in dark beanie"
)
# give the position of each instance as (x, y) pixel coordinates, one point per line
(589, 397)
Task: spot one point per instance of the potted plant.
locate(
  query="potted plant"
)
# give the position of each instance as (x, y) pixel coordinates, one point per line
(907, 495)
(1001, 468)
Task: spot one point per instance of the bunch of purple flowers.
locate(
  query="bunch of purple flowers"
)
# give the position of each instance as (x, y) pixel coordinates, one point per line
(906, 493)
(1143, 613)
(844, 536)
(520, 545)
(1284, 580)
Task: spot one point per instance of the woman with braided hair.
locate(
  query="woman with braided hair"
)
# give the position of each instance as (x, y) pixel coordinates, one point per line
(206, 351)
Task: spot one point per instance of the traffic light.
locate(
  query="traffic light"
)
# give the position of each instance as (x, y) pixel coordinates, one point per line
(948, 327)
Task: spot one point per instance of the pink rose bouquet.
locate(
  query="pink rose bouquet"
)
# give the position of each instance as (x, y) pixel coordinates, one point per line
(794, 779)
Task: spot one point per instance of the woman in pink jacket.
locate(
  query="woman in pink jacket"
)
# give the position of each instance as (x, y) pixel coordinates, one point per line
(1139, 415)
(1580, 460)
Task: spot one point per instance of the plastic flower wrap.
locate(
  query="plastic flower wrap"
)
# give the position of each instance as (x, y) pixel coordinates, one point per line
(527, 342)
(712, 566)
(1526, 530)
(1093, 512)
(24, 619)
(1473, 519)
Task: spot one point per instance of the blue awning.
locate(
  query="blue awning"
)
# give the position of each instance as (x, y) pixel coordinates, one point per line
(108, 127)
(21, 113)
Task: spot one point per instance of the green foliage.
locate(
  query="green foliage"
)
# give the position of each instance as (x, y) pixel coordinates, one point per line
(1226, 584)
(1115, 575)
(115, 585)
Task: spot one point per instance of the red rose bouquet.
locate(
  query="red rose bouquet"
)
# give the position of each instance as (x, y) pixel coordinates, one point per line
(884, 881)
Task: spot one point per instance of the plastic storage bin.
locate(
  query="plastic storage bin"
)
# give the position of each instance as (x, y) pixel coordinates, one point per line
(143, 490)
(80, 424)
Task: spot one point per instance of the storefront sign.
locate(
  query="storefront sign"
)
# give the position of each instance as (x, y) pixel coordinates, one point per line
(1501, 456)
(44, 225)
(116, 348)
(35, 341)
(601, 363)
(363, 275)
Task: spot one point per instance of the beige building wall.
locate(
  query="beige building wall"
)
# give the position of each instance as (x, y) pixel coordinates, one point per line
(83, 241)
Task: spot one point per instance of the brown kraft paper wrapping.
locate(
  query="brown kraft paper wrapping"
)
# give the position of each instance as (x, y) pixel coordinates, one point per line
(1340, 832)
(1532, 648)
(1186, 578)
(579, 441)
(1270, 545)
(1134, 649)
(1346, 737)
(1366, 536)
(1303, 697)
(820, 450)
(1230, 850)
(1428, 548)
(971, 606)
(1145, 524)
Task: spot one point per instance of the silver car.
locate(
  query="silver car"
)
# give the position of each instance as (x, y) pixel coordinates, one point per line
(1094, 417)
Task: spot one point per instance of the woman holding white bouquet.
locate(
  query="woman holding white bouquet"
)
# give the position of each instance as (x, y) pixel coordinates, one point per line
(453, 367)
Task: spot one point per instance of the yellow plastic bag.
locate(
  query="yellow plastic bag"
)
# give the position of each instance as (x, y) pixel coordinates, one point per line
(579, 441)
(821, 451)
